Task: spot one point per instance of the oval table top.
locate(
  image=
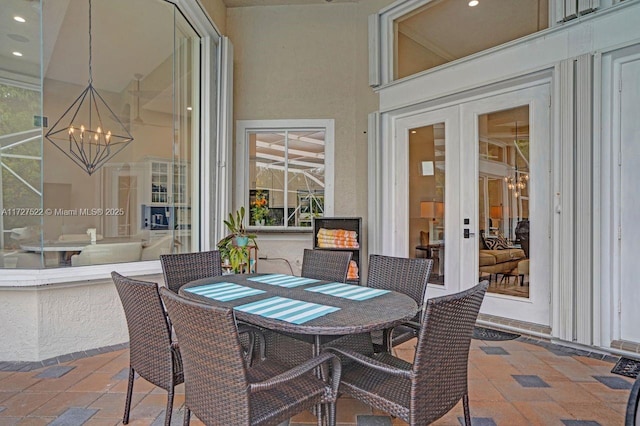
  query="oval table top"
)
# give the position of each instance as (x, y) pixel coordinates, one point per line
(353, 316)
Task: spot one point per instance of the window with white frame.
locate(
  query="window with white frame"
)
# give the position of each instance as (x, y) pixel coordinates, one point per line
(138, 204)
(285, 171)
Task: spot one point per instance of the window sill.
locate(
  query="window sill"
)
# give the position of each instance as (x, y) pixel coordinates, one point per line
(39, 277)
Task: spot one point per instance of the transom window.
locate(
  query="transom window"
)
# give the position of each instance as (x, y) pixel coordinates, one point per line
(426, 37)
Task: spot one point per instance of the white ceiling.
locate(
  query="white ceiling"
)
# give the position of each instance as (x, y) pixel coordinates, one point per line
(121, 30)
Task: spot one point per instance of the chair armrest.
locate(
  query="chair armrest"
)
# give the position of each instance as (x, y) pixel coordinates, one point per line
(300, 370)
(371, 363)
(415, 325)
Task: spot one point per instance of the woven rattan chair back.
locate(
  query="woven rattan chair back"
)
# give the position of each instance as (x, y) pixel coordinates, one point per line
(632, 417)
(181, 268)
(404, 275)
(216, 385)
(442, 354)
(326, 265)
(152, 354)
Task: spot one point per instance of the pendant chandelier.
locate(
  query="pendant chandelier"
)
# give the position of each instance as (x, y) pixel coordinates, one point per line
(89, 132)
(517, 181)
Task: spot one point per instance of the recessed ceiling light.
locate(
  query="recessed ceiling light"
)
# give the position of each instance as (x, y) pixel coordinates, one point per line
(189, 109)
(414, 132)
(17, 54)
(19, 19)
(473, 3)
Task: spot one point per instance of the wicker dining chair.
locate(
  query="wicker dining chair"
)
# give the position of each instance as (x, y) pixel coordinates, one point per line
(291, 349)
(181, 268)
(404, 275)
(426, 390)
(221, 389)
(632, 416)
(152, 353)
(326, 265)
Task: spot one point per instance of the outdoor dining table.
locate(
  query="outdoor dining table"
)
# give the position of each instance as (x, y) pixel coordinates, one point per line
(301, 305)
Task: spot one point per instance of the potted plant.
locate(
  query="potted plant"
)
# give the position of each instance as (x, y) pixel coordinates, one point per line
(260, 210)
(233, 248)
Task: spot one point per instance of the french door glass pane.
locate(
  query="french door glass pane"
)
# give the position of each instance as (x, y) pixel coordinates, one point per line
(503, 185)
(426, 196)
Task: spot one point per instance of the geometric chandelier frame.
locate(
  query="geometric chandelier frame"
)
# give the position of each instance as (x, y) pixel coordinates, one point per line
(89, 132)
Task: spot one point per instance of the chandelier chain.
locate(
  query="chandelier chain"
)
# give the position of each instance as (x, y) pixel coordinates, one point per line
(90, 56)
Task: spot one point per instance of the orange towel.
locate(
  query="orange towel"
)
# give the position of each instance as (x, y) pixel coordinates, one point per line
(332, 244)
(352, 273)
(340, 233)
(337, 242)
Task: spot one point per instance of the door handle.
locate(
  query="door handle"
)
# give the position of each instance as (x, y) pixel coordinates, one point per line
(468, 234)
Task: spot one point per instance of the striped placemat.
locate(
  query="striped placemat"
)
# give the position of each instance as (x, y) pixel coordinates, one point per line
(282, 280)
(348, 291)
(289, 310)
(224, 292)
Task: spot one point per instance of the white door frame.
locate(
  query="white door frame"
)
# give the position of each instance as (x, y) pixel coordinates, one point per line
(535, 309)
(611, 304)
(399, 244)
(461, 260)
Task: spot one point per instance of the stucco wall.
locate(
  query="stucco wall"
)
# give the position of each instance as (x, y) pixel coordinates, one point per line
(309, 61)
(48, 321)
(218, 13)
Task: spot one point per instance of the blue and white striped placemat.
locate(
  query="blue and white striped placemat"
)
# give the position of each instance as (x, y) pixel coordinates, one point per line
(224, 292)
(348, 291)
(282, 280)
(290, 310)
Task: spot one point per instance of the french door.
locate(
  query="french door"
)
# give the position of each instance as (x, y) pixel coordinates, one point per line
(505, 183)
(483, 175)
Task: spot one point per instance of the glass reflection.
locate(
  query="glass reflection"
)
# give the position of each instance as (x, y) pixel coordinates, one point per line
(426, 196)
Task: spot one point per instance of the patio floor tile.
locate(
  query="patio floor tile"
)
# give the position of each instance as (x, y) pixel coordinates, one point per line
(510, 383)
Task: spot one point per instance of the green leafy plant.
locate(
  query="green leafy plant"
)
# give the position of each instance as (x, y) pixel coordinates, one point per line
(232, 254)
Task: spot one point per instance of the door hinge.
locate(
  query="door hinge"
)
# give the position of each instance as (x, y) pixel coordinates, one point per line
(619, 306)
(619, 233)
(620, 85)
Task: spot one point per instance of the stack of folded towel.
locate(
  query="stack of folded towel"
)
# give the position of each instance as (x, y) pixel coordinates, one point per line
(352, 274)
(337, 238)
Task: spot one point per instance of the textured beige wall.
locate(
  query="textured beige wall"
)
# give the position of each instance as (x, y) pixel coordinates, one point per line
(218, 13)
(310, 62)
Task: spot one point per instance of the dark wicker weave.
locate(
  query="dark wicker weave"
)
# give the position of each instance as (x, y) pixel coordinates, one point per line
(378, 313)
(404, 275)
(632, 417)
(326, 265)
(425, 391)
(221, 390)
(152, 353)
(179, 269)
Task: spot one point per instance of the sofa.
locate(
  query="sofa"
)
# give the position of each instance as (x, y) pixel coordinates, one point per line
(498, 260)
(94, 254)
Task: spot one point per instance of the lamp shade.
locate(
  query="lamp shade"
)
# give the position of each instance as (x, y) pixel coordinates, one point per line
(495, 212)
(432, 209)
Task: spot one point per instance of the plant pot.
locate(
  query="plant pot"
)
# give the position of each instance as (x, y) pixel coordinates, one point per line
(260, 222)
(242, 241)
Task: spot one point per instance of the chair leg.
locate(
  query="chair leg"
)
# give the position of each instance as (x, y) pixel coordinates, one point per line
(331, 418)
(465, 407)
(169, 411)
(127, 403)
(187, 416)
(387, 339)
